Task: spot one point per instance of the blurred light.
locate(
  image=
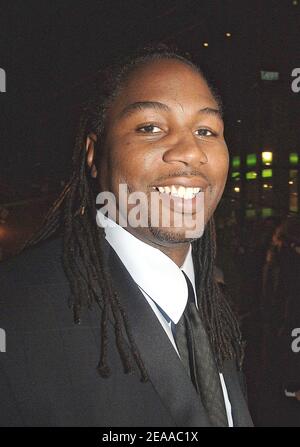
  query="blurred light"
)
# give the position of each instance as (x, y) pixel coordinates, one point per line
(251, 160)
(205, 44)
(266, 212)
(267, 173)
(295, 2)
(236, 161)
(291, 182)
(251, 175)
(293, 173)
(265, 185)
(236, 175)
(267, 157)
(250, 213)
(236, 189)
(269, 75)
(3, 232)
(294, 158)
(239, 121)
(228, 34)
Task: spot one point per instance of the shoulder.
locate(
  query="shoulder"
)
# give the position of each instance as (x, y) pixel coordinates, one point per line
(33, 286)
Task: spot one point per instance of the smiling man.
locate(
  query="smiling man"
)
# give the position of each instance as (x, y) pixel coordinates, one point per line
(164, 131)
(169, 351)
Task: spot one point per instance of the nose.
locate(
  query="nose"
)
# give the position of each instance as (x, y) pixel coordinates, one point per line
(186, 149)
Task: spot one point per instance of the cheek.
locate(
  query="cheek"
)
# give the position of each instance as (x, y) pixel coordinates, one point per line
(129, 163)
(219, 170)
(223, 167)
(220, 164)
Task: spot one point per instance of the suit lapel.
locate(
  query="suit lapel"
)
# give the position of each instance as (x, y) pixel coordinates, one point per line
(166, 371)
(240, 413)
(164, 367)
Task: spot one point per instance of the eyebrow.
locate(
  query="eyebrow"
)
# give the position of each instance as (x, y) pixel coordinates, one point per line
(143, 105)
(211, 111)
(156, 105)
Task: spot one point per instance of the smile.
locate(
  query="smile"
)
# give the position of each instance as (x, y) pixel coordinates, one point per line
(179, 191)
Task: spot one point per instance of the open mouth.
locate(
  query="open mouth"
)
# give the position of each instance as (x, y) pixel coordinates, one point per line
(179, 191)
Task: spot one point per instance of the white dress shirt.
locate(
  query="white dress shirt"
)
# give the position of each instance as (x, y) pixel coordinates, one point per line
(159, 279)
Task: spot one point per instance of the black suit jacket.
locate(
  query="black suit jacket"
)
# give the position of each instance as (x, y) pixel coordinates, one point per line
(48, 373)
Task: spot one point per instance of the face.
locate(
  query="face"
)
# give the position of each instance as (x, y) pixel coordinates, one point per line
(164, 134)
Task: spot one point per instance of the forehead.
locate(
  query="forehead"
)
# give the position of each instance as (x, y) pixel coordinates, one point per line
(168, 81)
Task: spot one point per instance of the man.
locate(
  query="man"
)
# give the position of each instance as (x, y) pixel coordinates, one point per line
(156, 127)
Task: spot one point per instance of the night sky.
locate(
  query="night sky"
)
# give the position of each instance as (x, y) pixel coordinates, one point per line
(51, 50)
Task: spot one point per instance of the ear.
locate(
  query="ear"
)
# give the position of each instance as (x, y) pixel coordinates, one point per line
(90, 153)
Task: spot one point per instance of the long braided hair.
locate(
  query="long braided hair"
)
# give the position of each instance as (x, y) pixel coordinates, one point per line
(74, 214)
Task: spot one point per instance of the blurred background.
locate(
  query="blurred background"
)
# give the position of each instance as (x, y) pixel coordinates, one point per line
(50, 52)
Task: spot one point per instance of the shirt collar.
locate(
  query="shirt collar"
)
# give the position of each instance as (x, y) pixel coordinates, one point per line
(153, 271)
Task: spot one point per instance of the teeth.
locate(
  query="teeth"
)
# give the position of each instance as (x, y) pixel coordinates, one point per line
(180, 191)
(183, 192)
(174, 191)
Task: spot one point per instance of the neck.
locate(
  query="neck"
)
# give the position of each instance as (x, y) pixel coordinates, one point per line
(177, 254)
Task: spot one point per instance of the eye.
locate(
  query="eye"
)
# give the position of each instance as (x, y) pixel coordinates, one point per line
(149, 128)
(205, 133)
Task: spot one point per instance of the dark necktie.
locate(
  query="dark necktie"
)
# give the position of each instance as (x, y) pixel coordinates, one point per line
(196, 354)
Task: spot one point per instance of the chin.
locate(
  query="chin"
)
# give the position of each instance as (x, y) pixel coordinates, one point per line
(174, 236)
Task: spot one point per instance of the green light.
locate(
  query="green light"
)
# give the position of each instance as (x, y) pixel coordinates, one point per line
(236, 161)
(251, 160)
(266, 212)
(251, 175)
(267, 173)
(235, 175)
(294, 158)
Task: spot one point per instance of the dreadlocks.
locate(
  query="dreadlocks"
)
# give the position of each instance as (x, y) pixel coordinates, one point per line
(90, 281)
